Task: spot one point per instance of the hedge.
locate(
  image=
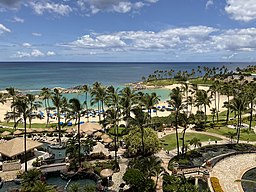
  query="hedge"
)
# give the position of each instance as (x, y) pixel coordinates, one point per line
(216, 184)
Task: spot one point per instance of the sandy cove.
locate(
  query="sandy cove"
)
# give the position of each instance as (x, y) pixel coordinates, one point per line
(7, 107)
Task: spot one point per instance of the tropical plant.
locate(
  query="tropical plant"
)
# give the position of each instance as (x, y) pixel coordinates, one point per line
(238, 104)
(21, 104)
(40, 186)
(13, 94)
(176, 102)
(85, 89)
(76, 110)
(45, 95)
(29, 179)
(33, 105)
(202, 99)
(134, 142)
(128, 99)
(57, 100)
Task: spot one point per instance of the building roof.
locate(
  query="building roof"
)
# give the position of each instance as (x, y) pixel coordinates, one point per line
(15, 146)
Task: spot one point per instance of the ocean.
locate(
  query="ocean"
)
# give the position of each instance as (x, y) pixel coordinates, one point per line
(33, 76)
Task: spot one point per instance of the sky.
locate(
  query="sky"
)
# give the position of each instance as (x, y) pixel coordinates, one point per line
(128, 30)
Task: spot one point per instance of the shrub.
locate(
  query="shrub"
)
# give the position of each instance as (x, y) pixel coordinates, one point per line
(215, 184)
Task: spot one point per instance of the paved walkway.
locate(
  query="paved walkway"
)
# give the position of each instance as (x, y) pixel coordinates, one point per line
(232, 168)
(118, 177)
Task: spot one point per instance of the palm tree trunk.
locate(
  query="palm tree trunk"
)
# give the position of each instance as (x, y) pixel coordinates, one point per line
(183, 140)
(58, 116)
(79, 143)
(25, 142)
(115, 144)
(205, 116)
(99, 111)
(177, 136)
(14, 117)
(251, 110)
(142, 141)
(86, 106)
(227, 119)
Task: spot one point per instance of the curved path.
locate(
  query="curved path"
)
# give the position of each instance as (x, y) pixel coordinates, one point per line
(232, 168)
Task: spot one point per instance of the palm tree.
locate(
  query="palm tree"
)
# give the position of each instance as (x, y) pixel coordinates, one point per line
(196, 142)
(77, 110)
(149, 101)
(227, 89)
(86, 89)
(185, 89)
(176, 103)
(33, 105)
(251, 95)
(2, 98)
(238, 104)
(128, 99)
(22, 106)
(203, 99)
(113, 118)
(98, 94)
(13, 94)
(140, 120)
(57, 100)
(46, 95)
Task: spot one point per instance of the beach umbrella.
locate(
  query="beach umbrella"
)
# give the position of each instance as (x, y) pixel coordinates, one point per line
(104, 136)
(88, 132)
(17, 132)
(29, 130)
(107, 140)
(5, 133)
(90, 127)
(39, 130)
(98, 134)
(69, 130)
(51, 130)
(106, 172)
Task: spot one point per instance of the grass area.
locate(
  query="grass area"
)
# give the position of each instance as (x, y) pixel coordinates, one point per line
(169, 141)
(160, 82)
(244, 135)
(33, 125)
(200, 81)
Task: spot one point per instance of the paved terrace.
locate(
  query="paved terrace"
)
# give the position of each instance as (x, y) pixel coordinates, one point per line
(232, 168)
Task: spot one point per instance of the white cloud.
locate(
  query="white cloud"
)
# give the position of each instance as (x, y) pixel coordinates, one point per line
(26, 45)
(241, 10)
(120, 6)
(36, 53)
(188, 40)
(18, 20)
(37, 34)
(4, 29)
(50, 53)
(33, 53)
(41, 7)
(21, 54)
(208, 4)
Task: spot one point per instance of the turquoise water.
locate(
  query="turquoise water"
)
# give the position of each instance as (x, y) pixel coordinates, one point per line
(34, 76)
(249, 186)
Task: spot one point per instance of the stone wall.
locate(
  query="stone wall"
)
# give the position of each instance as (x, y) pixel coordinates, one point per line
(11, 165)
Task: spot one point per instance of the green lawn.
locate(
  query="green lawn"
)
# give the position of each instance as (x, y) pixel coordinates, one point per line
(245, 135)
(34, 125)
(169, 141)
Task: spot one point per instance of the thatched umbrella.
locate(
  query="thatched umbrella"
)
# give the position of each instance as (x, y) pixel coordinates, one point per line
(39, 130)
(69, 131)
(17, 132)
(107, 140)
(106, 172)
(5, 133)
(90, 127)
(104, 136)
(88, 132)
(98, 134)
(50, 130)
(29, 130)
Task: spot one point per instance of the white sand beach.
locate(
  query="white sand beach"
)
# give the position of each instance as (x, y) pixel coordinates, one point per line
(4, 108)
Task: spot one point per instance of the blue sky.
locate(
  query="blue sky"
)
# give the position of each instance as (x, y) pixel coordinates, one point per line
(128, 30)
